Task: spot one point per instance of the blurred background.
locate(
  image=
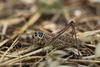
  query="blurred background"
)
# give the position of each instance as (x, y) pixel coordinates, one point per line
(54, 14)
(49, 16)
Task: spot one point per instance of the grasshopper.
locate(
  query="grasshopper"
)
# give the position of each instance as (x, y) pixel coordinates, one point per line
(53, 39)
(58, 39)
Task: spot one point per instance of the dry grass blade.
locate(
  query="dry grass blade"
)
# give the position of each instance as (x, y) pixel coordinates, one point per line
(32, 20)
(5, 41)
(90, 61)
(27, 50)
(28, 45)
(37, 51)
(90, 36)
(97, 51)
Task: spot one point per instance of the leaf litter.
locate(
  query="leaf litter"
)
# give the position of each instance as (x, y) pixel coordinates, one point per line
(26, 33)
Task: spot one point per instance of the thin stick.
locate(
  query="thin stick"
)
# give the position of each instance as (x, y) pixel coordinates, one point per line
(26, 55)
(89, 61)
(29, 23)
(4, 30)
